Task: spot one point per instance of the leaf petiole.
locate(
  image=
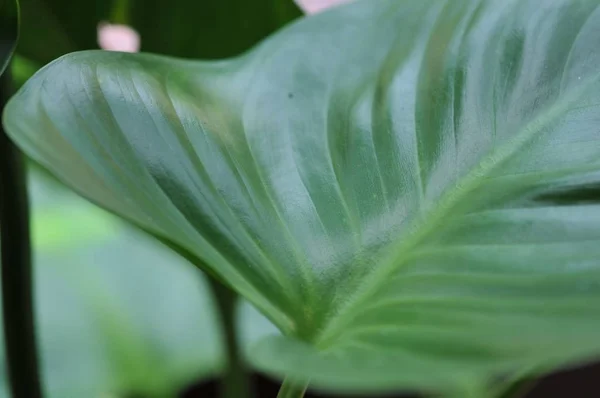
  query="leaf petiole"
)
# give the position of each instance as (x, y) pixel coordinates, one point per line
(234, 383)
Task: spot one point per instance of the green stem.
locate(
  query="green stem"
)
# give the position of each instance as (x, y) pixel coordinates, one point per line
(17, 295)
(234, 383)
(120, 12)
(292, 389)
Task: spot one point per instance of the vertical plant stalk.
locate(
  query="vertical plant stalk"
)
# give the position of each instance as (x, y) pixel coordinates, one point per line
(120, 12)
(234, 382)
(292, 389)
(17, 291)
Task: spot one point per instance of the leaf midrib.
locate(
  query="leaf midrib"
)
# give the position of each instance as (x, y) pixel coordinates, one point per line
(400, 251)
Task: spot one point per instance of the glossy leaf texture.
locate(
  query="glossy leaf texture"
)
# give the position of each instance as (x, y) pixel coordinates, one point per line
(117, 314)
(9, 30)
(186, 28)
(408, 190)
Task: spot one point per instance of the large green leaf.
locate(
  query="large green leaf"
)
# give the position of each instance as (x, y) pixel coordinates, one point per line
(408, 190)
(189, 28)
(116, 314)
(9, 30)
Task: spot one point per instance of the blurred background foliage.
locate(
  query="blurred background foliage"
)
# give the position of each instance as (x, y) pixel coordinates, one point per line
(117, 313)
(208, 29)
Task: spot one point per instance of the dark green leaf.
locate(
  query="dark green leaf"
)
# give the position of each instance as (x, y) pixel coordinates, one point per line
(406, 189)
(9, 30)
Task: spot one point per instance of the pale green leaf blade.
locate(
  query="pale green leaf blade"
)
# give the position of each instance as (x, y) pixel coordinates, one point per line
(409, 190)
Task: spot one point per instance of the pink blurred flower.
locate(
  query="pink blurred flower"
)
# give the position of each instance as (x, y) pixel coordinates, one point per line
(314, 6)
(118, 38)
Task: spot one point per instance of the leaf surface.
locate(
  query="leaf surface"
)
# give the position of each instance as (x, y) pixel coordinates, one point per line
(408, 190)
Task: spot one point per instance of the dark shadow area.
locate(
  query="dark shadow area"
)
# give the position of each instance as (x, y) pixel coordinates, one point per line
(582, 382)
(569, 196)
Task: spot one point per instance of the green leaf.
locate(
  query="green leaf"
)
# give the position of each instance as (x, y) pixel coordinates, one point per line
(9, 30)
(408, 190)
(116, 313)
(188, 28)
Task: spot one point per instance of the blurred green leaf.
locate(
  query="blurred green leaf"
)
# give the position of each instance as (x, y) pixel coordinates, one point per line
(117, 313)
(9, 30)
